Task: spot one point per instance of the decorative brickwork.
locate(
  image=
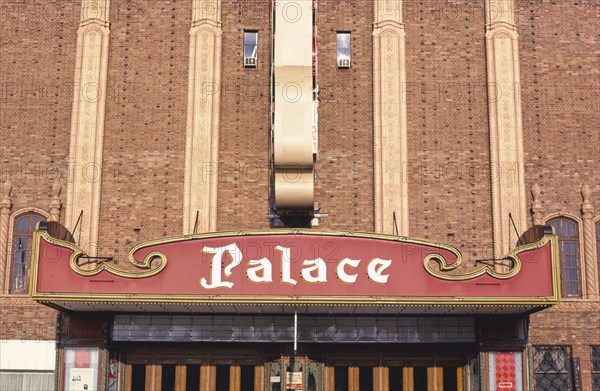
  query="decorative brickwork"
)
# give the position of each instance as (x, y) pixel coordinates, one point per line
(145, 132)
(55, 204)
(536, 205)
(448, 139)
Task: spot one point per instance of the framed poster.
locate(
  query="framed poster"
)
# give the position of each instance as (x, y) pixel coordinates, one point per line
(81, 369)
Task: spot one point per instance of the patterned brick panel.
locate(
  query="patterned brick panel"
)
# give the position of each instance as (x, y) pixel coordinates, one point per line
(243, 185)
(142, 184)
(448, 141)
(561, 99)
(344, 183)
(37, 59)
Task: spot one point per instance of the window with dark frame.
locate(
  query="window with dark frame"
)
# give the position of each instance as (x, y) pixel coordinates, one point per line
(24, 225)
(552, 368)
(250, 49)
(596, 368)
(567, 231)
(344, 49)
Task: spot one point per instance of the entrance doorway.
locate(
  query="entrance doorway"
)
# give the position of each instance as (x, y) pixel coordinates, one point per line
(291, 373)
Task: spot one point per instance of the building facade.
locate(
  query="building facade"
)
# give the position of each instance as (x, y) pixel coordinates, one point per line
(470, 124)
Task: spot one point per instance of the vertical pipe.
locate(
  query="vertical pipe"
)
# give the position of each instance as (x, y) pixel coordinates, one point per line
(295, 331)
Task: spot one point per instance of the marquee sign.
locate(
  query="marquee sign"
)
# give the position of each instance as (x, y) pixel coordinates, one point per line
(293, 267)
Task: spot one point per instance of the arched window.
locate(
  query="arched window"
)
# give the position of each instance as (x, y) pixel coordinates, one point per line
(24, 225)
(567, 231)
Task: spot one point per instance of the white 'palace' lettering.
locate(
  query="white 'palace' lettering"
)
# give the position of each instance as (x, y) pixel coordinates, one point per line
(261, 270)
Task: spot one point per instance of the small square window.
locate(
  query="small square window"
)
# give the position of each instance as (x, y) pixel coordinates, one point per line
(344, 49)
(250, 49)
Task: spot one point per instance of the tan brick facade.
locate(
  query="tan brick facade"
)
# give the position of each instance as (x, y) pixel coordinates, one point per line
(447, 166)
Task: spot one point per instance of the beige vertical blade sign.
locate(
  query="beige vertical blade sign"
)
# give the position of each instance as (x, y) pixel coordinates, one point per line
(293, 123)
(87, 123)
(202, 137)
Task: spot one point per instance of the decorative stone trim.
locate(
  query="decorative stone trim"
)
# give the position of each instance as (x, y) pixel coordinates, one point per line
(5, 208)
(87, 123)
(589, 244)
(55, 204)
(575, 306)
(204, 100)
(389, 112)
(536, 205)
(505, 122)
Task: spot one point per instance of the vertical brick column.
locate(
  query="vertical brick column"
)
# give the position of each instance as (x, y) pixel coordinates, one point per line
(506, 134)
(5, 209)
(87, 123)
(204, 99)
(389, 112)
(589, 244)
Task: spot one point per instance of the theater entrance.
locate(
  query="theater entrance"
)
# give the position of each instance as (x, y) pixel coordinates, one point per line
(304, 374)
(335, 368)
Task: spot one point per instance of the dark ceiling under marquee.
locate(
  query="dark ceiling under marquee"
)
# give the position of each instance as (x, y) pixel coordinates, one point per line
(274, 329)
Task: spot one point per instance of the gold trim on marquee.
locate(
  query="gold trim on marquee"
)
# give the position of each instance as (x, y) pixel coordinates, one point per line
(513, 256)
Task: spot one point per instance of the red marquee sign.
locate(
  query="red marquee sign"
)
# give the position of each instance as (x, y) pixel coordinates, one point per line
(293, 267)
